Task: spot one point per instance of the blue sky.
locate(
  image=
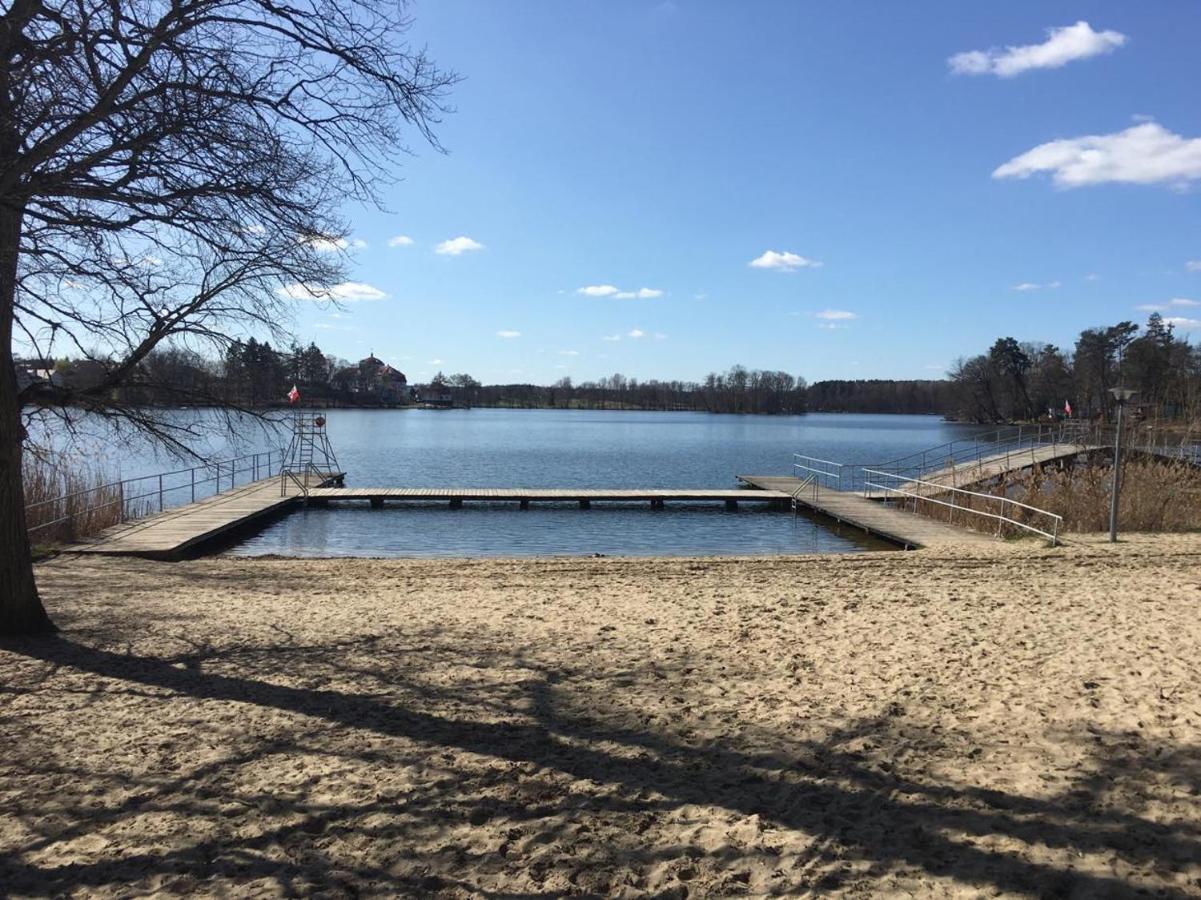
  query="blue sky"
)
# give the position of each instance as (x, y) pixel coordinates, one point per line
(915, 202)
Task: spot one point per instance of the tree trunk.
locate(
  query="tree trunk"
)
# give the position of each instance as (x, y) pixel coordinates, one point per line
(21, 609)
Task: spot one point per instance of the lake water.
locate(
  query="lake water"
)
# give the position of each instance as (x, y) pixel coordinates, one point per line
(586, 449)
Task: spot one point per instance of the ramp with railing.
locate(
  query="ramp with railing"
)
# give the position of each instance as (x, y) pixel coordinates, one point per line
(852, 509)
(938, 481)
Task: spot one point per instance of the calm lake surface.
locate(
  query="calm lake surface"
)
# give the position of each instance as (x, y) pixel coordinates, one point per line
(561, 448)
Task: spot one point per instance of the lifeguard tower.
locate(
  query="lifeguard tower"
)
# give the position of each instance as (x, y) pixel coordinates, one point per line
(309, 460)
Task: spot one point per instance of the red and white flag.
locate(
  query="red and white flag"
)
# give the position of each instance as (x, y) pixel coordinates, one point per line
(293, 395)
(1067, 407)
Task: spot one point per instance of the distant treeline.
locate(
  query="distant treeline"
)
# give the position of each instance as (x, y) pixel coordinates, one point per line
(1012, 382)
(739, 390)
(880, 396)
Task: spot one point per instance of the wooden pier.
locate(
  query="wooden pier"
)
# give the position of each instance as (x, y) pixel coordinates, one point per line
(850, 508)
(174, 532)
(584, 497)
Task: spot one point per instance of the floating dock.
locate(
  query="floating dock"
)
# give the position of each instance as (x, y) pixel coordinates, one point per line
(585, 497)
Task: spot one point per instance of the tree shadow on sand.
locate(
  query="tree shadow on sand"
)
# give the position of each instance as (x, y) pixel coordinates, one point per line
(517, 768)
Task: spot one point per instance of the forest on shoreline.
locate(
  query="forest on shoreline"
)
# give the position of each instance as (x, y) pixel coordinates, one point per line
(1011, 382)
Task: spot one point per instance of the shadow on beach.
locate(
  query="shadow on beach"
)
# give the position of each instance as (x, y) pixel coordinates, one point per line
(333, 765)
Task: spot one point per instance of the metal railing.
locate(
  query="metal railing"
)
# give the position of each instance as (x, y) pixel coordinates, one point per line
(137, 497)
(1053, 522)
(300, 476)
(809, 483)
(819, 468)
(960, 453)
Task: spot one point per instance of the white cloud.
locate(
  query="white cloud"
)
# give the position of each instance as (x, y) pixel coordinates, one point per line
(1184, 324)
(458, 246)
(1062, 46)
(610, 290)
(611, 337)
(1193, 265)
(599, 290)
(660, 336)
(836, 315)
(1174, 303)
(784, 262)
(635, 333)
(1142, 154)
(401, 240)
(508, 334)
(324, 244)
(1092, 276)
(434, 362)
(569, 353)
(348, 291)
(1035, 286)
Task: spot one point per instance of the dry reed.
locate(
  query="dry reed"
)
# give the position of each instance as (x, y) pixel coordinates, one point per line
(1155, 496)
(66, 501)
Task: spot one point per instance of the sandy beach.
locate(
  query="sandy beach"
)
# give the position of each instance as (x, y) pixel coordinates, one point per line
(999, 720)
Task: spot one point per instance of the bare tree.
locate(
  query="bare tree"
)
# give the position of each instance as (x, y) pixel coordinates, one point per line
(170, 174)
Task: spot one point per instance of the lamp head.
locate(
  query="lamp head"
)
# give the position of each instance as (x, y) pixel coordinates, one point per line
(1122, 394)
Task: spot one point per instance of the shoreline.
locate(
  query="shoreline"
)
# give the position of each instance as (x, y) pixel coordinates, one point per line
(998, 718)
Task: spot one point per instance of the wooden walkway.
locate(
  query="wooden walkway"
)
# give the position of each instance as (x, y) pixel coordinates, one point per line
(972, 472)
(976, 471)
(852, 508)
(173, 532)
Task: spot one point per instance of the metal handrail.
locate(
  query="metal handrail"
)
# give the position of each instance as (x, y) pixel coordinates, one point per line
(260, 464)
(298, 475)
(836, 476)
(806, 483)
(1056, 520)
(1019, 434)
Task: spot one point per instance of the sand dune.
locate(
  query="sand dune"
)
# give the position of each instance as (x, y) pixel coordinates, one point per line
(1007, 720)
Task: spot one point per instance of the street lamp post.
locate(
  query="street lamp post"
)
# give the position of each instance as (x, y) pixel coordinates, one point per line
(1120, 394)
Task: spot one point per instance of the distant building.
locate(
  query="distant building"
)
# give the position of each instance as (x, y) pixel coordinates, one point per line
(372, 377)
(32, 371)
(80, 374)
(435, 394)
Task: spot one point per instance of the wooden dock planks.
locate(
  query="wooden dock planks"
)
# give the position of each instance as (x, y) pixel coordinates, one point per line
(173, 532)
(897, 526)
(562, 495)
